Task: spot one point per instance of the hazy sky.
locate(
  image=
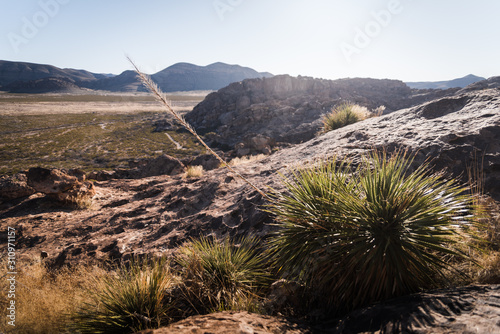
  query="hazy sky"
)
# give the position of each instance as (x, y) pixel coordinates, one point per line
(411, 40)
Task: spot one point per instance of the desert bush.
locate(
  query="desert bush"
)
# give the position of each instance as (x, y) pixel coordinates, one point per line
(222, 274)
(343, 114)
(376, 232)
(45, 299)
(246, 159)
(133, 299)
(194, 171)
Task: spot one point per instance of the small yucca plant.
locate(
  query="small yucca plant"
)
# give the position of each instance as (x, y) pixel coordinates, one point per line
(374, 233)
(132, 300)
(343, 114)
(222, 274)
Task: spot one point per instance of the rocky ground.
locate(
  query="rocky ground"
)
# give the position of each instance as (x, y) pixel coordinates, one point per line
(472, 309)
(155, 214)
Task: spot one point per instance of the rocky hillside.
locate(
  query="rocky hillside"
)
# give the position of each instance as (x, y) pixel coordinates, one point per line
(254, 115)
(45, 85)
(157, 213)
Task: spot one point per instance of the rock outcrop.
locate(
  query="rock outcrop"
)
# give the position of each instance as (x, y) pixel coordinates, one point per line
(472, 309)
(289, 109)
(16, 186)
(66, 186)
(232, 323)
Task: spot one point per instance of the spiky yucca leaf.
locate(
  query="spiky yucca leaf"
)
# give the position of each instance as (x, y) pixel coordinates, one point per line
(377, 233)
(130, 301)
(222, 274)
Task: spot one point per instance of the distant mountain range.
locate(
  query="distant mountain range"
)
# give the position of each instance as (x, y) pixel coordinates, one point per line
(455, 83)
(20, 77)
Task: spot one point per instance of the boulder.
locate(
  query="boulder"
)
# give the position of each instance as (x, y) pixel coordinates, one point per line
(16, 186)
(162, 165)
(208, 161)
(65, 185)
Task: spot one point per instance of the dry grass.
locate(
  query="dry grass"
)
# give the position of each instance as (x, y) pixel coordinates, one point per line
(246, 159)
(194, 171)
(44, 300)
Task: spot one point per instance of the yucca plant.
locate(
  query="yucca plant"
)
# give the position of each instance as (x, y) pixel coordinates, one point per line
(363, 235)
(131, 300)
(343, 114)
(222, 274)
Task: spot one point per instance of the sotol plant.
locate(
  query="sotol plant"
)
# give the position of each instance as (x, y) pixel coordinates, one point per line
(379, 232)
(222, 274)
(132, 300)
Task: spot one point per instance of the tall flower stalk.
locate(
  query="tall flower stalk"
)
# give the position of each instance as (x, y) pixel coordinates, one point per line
(160, 96)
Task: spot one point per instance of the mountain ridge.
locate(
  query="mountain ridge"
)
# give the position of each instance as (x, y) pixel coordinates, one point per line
(30, 77)
(454, 83)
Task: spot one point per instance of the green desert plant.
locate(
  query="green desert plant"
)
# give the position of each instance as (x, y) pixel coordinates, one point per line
(343, 114)
(222, 274)
(131, 300)
(376, 232)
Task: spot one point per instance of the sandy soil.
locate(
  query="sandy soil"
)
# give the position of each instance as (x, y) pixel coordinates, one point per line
(30, 104)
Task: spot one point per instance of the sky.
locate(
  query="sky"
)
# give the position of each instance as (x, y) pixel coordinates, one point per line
(409, 40)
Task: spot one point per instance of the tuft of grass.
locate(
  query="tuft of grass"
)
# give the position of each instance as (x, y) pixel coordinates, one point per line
(194, 171)
(131, 300)
(343, 114)
(45, 299)
(222, 275)
(370, 234)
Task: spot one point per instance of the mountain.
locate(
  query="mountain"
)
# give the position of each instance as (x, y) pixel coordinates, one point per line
(45, 85)
(27, 78)
(182, 77)
(455, 83)
(185, 76)
(127, 81)
(11, 71)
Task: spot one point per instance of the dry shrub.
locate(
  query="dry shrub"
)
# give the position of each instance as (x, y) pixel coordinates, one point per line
(194, 171)
(246, 159)
(489, 260)
(45, 299)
